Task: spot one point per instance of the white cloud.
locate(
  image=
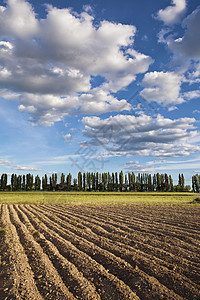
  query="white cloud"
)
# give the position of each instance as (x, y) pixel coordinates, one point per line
(67, 137)
(136, 167)
(162, 87)
(185, 49)
(192, 94)
(142, 135)
(53, 108)
(196, 111)
(171, 108)
(172, 14)
(194, 73)
(160, 165)
(5, 48)
(189, 44)
(51, 62)
(4, 162)
(99, 101)
(17, 19)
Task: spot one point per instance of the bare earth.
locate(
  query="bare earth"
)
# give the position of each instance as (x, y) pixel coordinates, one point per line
(84, 252)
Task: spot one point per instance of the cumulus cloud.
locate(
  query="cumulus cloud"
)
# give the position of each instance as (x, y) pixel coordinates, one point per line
(162, 87)
(52, 62)
(186, 50)
(189, 44)
(172, 14)
(52, 108)
(195, 75)
(17, 19)
(192, 94)
(141, 135)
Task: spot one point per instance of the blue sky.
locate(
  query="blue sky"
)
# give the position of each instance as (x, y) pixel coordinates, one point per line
(100, 86)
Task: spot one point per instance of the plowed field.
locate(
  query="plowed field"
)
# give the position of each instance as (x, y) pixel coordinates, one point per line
(99, 252)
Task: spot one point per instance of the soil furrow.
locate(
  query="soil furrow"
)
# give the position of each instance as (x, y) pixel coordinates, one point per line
(115, 264)
(99, 252)
(47, 279)
(151, 222)
(152, 228)
(149, 215)
(133, 241)
(147, 229)
(169, 245)
(73, 279)
(109, 242)
(18, 280)
(170, 278)
(107, 285)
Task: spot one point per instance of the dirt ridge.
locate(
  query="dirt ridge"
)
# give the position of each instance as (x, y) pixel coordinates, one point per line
(91, 252)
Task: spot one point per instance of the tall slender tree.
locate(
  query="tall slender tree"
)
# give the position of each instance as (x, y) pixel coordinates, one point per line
(84, 181)
(80, 178)
(121, 181)
(158, 183)
(171, 186)
(93, 182)
(97, 182)
(37, 183)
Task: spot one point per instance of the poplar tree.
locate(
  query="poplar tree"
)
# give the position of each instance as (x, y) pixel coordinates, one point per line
(182, 182)
(126, 182)
(89, 181)
(84, 181)
(13, 182)
(44, 182)
(37, 183)
(116, 181)
(138, 183)
(54, 181)
(100, 182)
(162, 182)
(149, 184)
(109, 182)
(158, 182)
(62, 179)
(50, 183)
(75, 184)
(133, 181)
(113, 181)
(93, 181)
(4, 179)
(104, 181)
(129, 182)
(23, 183)
(171, 183)
(79, 181)
(195, 183)
(121, 180)
(166, 183)
(97, 182)
(19, 183)
(69, 181)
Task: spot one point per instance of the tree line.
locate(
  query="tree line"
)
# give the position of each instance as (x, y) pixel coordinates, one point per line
(142, 182)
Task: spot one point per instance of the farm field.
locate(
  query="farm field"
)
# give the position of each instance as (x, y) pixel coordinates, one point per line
(90, 251)
(98, 198)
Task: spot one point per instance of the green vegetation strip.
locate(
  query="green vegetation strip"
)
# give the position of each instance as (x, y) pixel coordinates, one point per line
(98, 198)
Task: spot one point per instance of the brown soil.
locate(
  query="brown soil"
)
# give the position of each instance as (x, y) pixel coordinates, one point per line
(82, 252)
